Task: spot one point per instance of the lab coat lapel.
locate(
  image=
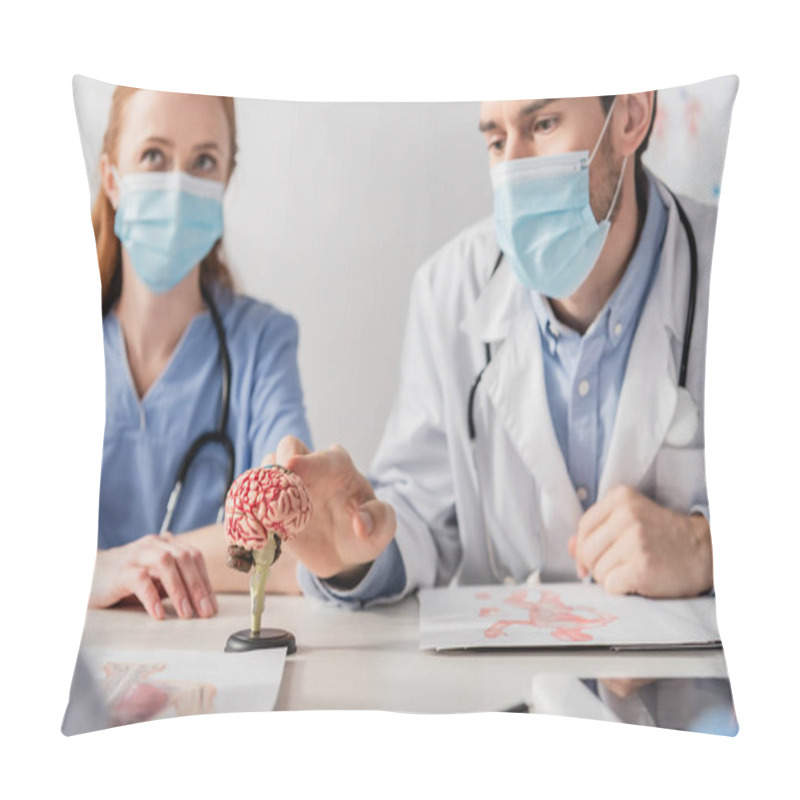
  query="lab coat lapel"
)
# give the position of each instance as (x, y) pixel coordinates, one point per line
(514, 383)
(649, 392)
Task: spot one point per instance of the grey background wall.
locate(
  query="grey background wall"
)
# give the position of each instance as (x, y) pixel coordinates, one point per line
(333, 206)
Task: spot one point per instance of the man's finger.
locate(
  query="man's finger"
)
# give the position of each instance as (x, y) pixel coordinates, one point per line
(269, 460)
(614, 560)
(621, 579)
(289, 446)
(594, 516)
(313, 467)
(375, 524)
(572, 547)
(590, 550)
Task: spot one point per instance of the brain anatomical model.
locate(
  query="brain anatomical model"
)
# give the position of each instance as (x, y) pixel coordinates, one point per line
(264, 502)
(264, 507)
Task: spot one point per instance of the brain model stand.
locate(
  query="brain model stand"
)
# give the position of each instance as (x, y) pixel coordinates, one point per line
(264, 507)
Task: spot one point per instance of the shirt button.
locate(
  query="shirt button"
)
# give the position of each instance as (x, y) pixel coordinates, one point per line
(583, 493)
(618, 329)
(583, 388)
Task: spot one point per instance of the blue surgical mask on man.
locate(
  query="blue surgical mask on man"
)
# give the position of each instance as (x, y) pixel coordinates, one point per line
(544, 221)
(167, 222)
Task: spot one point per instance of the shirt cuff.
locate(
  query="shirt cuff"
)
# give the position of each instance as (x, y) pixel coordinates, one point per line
(385, 580)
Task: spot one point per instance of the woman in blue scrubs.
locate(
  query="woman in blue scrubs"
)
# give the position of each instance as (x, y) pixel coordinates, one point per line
(166, 161)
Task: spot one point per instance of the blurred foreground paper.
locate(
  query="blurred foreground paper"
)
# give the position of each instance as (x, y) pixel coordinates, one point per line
(141, 685)
(562, 615)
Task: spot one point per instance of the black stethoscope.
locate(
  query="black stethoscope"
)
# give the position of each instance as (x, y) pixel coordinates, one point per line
(218, 436)
(687, 339)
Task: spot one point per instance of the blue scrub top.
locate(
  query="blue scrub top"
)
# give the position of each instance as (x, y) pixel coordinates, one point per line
(146, 439)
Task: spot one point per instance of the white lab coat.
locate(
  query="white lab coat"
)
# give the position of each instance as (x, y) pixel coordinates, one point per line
(424, 466)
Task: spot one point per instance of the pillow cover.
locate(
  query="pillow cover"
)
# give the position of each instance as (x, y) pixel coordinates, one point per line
(585, 411)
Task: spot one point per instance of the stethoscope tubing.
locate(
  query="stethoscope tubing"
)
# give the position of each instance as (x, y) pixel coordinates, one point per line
(218, 436)
(689, 326)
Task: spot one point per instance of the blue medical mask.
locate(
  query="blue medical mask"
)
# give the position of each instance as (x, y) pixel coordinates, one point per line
(544, 221)
(167, 222)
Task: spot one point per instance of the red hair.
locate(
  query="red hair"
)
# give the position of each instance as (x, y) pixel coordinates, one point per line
(109, 251)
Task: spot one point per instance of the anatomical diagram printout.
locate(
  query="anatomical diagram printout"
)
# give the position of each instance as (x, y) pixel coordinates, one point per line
(561, 615)
(142, 685)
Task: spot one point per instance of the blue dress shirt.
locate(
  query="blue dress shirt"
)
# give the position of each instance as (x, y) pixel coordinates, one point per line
(584, 374)
(146, 438)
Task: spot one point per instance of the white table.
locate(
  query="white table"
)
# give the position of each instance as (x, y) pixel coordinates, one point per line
(371, 659)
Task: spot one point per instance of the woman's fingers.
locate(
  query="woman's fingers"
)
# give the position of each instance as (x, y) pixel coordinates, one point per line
(151, 568)
(201, 565)
(195, 578)
(141, 585)
(183, 575)
(162, 566)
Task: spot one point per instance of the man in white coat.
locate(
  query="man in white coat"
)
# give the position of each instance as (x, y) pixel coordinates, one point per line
(530, 506)
(542, 427)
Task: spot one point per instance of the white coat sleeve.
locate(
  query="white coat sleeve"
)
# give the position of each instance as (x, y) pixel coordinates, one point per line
(412, 469)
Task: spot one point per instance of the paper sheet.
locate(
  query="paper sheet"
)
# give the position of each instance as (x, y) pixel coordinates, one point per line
(560, 615)
(140, 685)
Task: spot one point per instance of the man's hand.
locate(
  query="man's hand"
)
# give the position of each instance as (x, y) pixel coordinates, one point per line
(349, 527)
(630, 544)
(150, 568)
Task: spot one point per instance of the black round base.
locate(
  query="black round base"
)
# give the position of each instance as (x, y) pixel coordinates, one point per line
(267, 637)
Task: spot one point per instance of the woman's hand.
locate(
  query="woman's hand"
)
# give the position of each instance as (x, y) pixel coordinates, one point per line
(149, 569)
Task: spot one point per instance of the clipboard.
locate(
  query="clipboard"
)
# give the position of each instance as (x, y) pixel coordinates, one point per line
(563, 616)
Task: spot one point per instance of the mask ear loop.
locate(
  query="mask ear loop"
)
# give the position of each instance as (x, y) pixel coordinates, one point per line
(624, 161)
(603, 131)
(616, 191)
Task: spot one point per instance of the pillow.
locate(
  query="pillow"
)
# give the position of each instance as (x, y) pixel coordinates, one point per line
(332, 328)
